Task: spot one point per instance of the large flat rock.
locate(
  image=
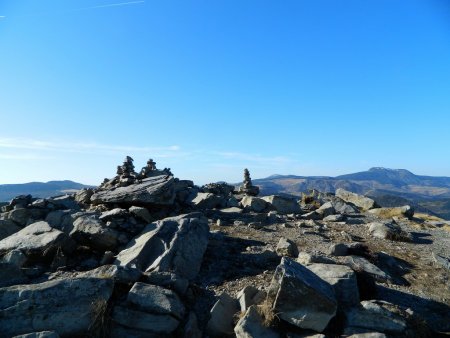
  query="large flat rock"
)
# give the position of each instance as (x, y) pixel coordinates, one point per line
(175, 244)
(67, 306)
(360, 201)
(157, 190)
(35, 239)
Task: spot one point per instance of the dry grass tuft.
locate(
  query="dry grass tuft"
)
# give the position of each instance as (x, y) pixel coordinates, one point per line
(100, 318)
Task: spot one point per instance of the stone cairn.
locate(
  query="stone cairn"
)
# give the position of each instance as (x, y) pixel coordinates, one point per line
(125, 174)
(247, 187)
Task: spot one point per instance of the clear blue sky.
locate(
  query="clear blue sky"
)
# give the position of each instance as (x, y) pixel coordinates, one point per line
(208, 88)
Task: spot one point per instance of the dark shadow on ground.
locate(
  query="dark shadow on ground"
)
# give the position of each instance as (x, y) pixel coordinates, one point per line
(394, 266)
(418, 238)
(436, 314)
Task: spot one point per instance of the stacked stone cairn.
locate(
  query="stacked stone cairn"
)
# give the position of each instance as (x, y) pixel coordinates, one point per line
(247, 186)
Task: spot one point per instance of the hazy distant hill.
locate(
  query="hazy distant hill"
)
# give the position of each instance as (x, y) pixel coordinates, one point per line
(389, 186)
(399, 182)
(38, 189)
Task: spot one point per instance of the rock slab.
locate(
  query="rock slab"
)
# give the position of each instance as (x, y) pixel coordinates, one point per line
(67, 306)
(175, 244)
(300, 297)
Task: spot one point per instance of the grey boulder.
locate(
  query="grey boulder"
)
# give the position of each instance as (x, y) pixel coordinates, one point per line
(299, 297)
(140, 320)
(283, 205)
(342, 279)
(251, 326)
(252, 203)
(174, 244)
(206, 200)
(389, 231)
(360, 201)
(35, 239)
(156, 299)
(92, 231)
(286, 247)
(7, 228)
(378, 316)
(362, 265)
(327, 209)
(249, 296)
(67, 306)
(156, 190)
(221, 322)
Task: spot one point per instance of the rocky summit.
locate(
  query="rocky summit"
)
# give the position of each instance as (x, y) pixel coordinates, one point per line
(146, 254)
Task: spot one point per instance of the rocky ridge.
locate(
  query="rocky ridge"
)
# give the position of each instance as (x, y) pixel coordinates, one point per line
(148, 255)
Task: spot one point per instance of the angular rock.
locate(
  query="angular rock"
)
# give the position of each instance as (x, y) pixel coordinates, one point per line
(334, 218)
(7, 228)
(441, 260)
(141, 213)
(360, 264)
(156, 299)
(84, 195)
(249, 296)
(64, 202)
(167, 280)
(120, 274)
(21, 201)
(252, 203)
(338, 249)
(343, 208)
(156, 190)
(327, 209)
(251, 326)
(313, 215)
(113, 213)
(92, 231)
(67, 306)
(378, 316)
(174, 244)
(342, 279)
(222, 313)
(15, 257)
(405, 211)
(286, 247)
(60, 219)
(283, 205)
(389, 231)
(134, 319)
(306, 258)
(19, 216)
(35, 239)
(360, 201)
(206, 200)
(300, 297)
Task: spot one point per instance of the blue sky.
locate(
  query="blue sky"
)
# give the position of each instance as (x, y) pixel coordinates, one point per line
(208, 88)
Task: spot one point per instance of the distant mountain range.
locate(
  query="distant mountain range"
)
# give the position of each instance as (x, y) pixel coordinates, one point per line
(389, 187)
(38, 189)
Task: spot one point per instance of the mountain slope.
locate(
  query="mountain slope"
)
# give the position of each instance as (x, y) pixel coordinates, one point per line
(389, 186)
(38, 189)
(398, 182)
